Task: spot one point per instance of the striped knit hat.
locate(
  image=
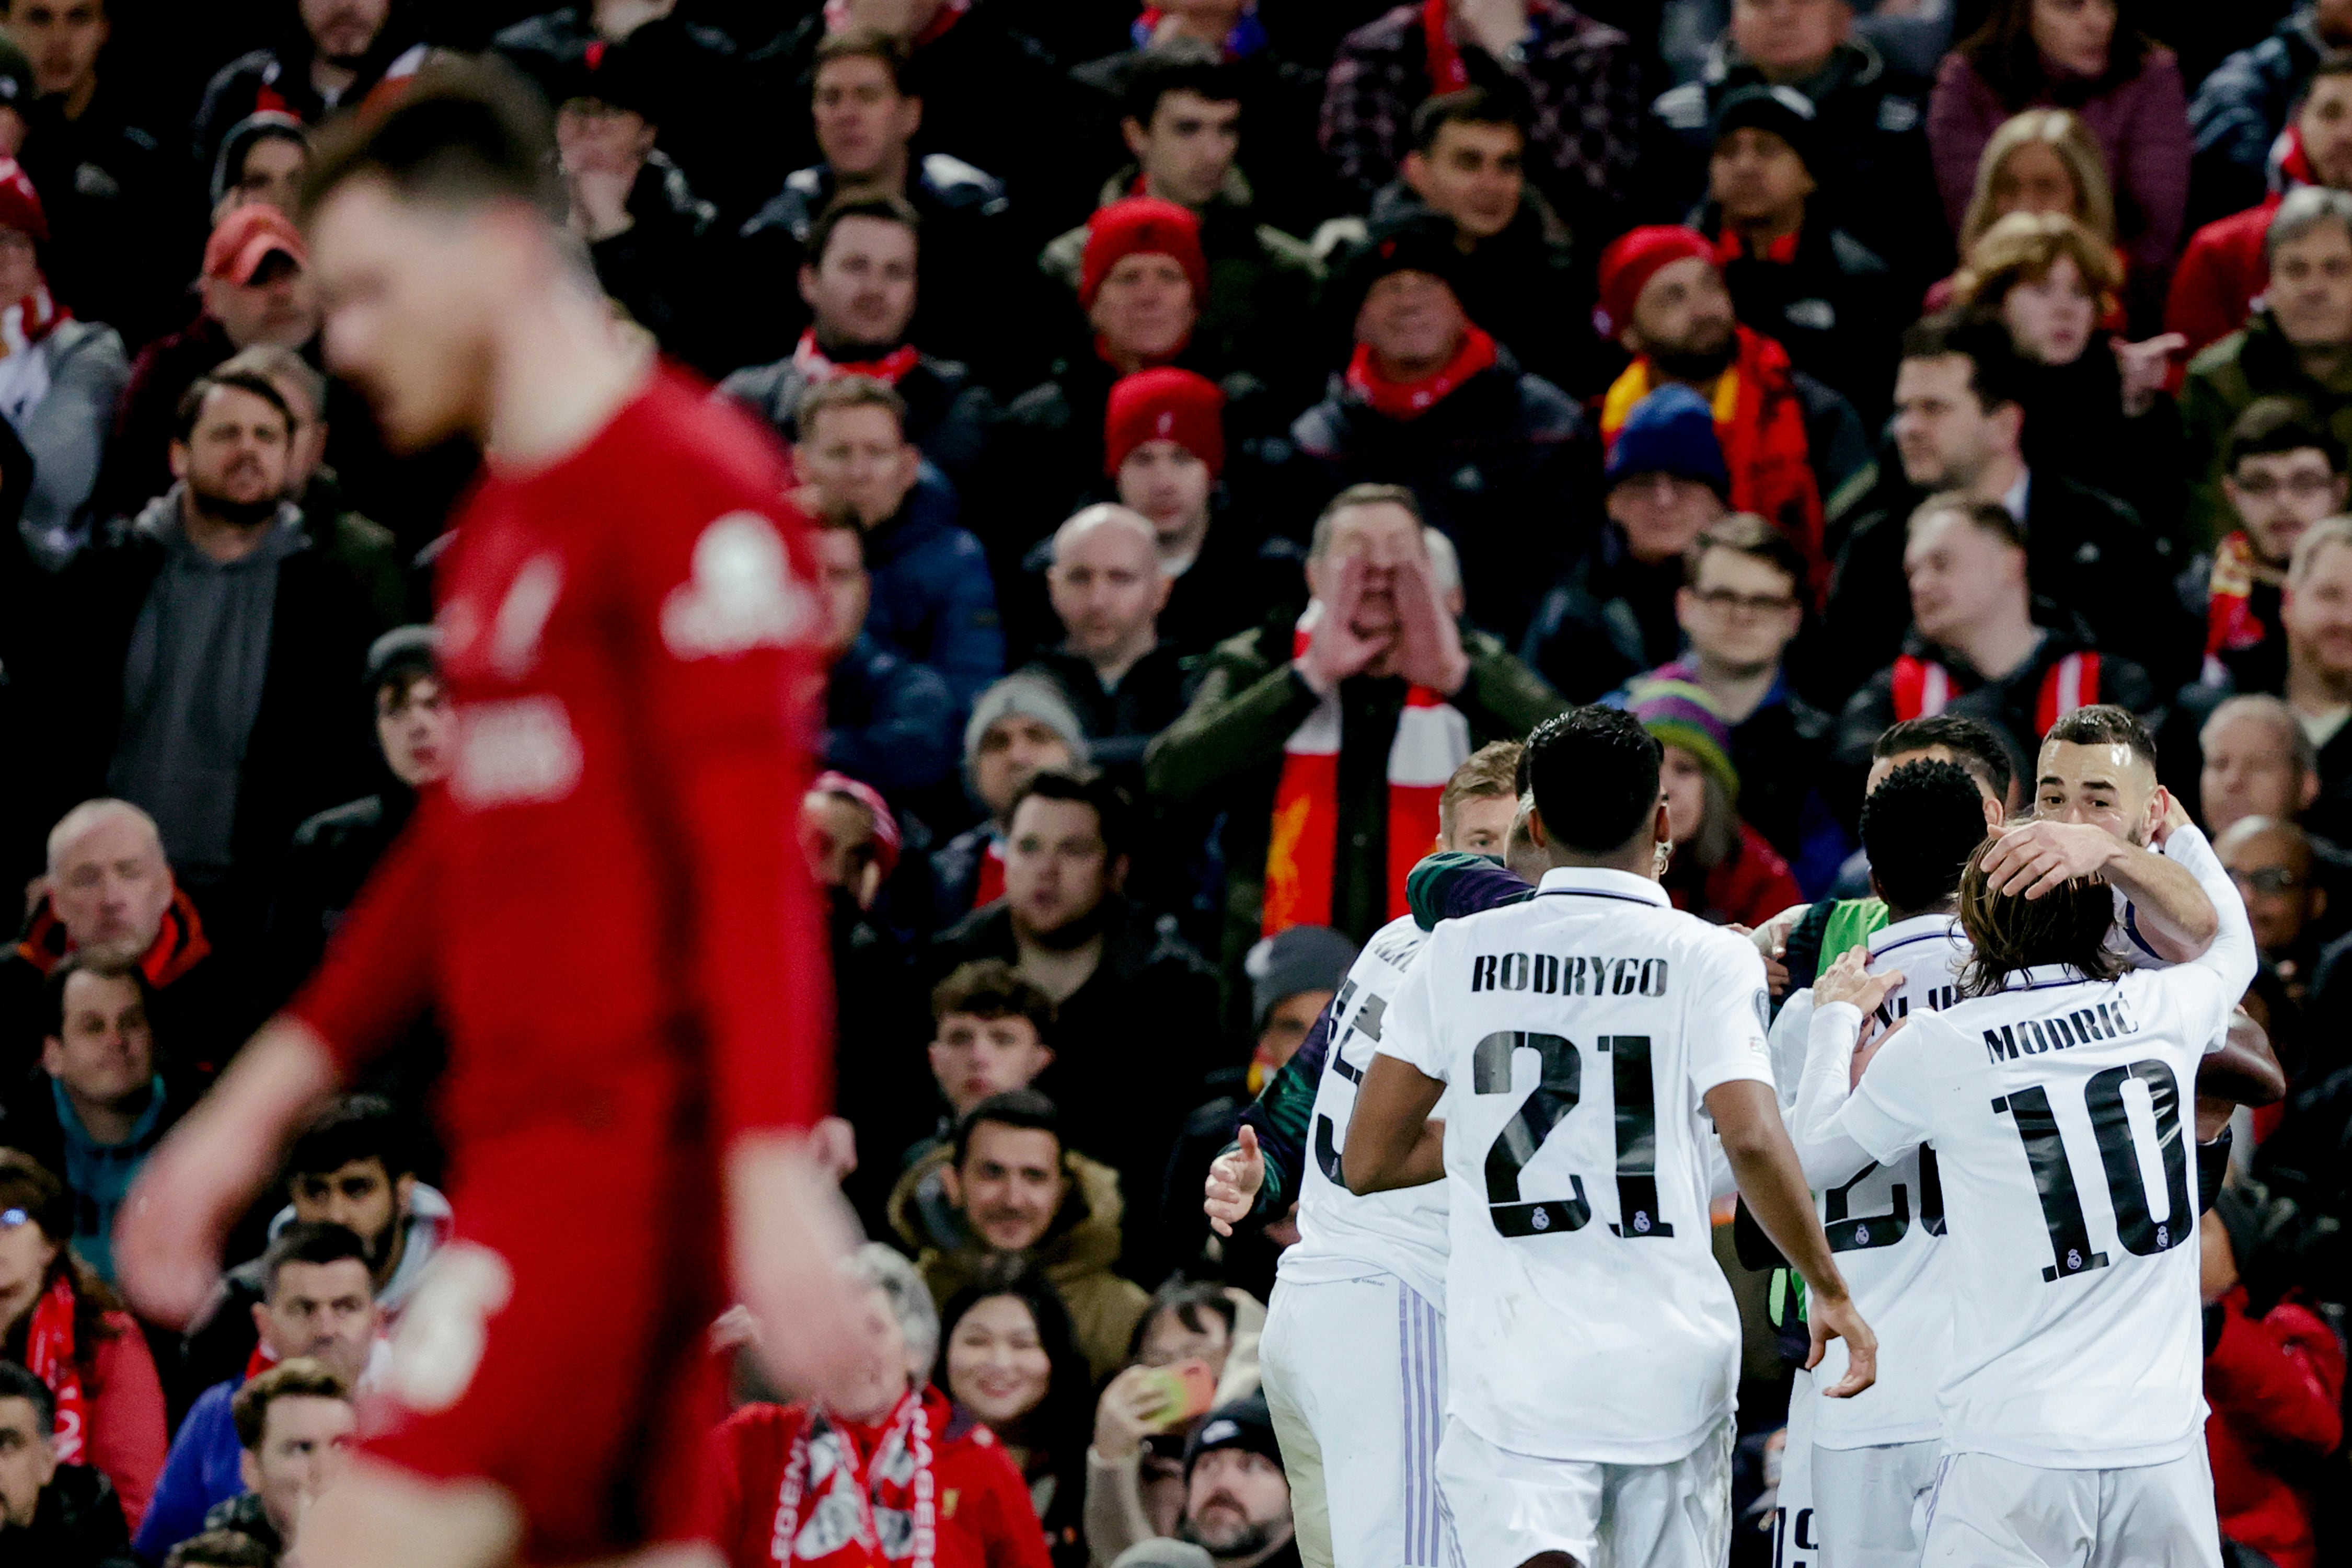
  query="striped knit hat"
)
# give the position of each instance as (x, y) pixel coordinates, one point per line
(1679, 713)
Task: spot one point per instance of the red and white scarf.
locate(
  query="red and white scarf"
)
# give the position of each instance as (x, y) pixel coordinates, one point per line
(1411, 399)
(49, 1356)
(845, 1510)
(1432, 739)
(816, 368)
(1924, 688)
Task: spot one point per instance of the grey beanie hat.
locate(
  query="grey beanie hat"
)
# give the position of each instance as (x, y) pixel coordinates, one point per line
(1033, 697)
(1303, 958)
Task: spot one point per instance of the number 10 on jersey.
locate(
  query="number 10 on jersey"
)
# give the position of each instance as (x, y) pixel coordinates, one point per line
(1557, 1093)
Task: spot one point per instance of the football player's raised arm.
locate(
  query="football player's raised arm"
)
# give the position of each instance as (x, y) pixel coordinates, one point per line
(1843, 1000)
(1391, 1142)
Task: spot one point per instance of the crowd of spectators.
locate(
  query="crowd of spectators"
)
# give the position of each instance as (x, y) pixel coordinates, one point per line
(1220, 420)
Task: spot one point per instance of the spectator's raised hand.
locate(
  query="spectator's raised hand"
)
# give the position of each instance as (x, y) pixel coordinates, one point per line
(2146, 366)
(1129, 1412)
(1335, 650)
(1428, 645)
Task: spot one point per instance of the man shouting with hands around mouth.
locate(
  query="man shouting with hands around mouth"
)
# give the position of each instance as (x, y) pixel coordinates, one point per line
(1327, 743)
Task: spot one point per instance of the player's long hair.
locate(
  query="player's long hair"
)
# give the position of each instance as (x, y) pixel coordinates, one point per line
(2011, 932)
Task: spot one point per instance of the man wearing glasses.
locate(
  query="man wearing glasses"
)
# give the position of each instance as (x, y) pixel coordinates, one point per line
(2283, 471)
(1739, 609)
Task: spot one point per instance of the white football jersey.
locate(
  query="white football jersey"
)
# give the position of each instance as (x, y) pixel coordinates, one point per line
(2062, 1111)
(1884, 1219)
(1341, 1236)
(1586, 1316)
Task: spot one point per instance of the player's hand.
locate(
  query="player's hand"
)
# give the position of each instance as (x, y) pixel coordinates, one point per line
(1847, 981)
(1127, 1412)
(834, 1142)
(789, 1231)
(1334, 649)
(1776, 974)
(2040, 857)
(1234, 1177)
(2175, 817)
(1428, 645)
(1872, 1041)
(1835, 1318)
(734, 1329)
(1771, 938)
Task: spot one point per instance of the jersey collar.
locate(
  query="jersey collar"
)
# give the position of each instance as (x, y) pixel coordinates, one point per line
(1598, 882)
(1918, 928)
(2043, 976)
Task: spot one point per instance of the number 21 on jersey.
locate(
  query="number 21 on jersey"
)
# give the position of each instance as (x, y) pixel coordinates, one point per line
(1557, 1093)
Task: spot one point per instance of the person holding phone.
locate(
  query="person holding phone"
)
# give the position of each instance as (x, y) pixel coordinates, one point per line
(1233, 1501)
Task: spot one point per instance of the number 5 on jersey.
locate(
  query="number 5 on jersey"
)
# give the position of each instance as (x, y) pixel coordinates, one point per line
(1557, 1093)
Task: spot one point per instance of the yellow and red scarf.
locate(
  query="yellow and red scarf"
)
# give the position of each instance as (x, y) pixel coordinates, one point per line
(2230, 624)
(1432, 739)
(1760, 422)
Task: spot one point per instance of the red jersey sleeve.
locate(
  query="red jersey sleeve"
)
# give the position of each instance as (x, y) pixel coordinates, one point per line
(716, 587)
(377, 976)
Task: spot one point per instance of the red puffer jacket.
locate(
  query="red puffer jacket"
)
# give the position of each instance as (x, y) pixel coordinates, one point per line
(2275, 1384)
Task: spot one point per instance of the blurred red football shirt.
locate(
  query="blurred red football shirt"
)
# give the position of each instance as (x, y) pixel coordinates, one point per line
(605, 908)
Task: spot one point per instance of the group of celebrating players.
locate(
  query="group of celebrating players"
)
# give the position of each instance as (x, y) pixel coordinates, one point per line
(1971, 1136)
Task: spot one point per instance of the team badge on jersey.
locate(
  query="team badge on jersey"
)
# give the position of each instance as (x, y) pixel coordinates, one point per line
(515, 752)
(740, 596)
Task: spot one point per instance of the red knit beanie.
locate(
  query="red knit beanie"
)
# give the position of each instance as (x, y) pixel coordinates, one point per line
(1142, 226)
(1165, 405)
(1629, 264)
(20, 205)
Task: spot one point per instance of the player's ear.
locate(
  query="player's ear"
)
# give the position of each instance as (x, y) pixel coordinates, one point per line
(950, 1187)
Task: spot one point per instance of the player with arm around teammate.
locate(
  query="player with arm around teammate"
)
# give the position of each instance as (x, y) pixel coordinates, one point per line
(2054, 1091)
(1592, 1342)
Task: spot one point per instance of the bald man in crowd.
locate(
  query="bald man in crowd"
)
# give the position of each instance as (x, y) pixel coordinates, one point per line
(108, 891)
(2255, 761)
(1122, 680)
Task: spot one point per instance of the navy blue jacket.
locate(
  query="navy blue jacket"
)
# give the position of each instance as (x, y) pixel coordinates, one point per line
(888, 720)
(934, 601)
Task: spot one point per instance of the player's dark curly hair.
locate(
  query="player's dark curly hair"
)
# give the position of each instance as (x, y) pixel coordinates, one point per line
(1919, 826)
(1594, 772)
(2010, 933)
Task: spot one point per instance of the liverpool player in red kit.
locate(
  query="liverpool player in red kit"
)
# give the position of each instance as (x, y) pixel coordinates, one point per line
(603, 905)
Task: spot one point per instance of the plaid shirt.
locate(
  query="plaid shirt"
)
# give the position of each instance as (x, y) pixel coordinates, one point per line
(1582, 76)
